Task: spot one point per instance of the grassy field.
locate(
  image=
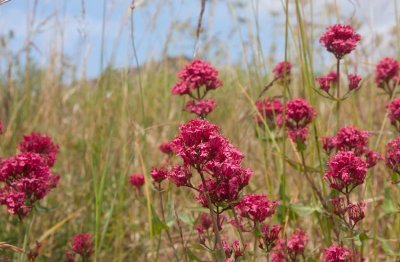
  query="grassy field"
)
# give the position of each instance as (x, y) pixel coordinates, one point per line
(110, 127)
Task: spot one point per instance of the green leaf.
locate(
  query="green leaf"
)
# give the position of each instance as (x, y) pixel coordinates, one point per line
(187, 219)
(388, 205)
(192, 256)
(157, 225)
(304, 210)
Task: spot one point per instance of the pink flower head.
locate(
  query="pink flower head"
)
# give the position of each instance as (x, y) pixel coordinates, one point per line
(340, 40)
(27, 179)
(336, 253)
(394, 113)
(350, 138)
(297, 242)
(269, 109)
(40, 144)
(82, 244)
(69, 256)
(1, 128)
(328, 144)
(201, 107)
(325, 82)
(354, 81)
(256, 207)
(339, 205)
(372, 158)
(195, 75)
(299, 113)
(159, 174)
(270, 235)
(282, 69)
(205, 221)
(136, 180)
(298, 136)
(180, 175)
(386, 70)
(392, 157)
(237, 250)
(167, 148)
(356, 211)
(345, 170)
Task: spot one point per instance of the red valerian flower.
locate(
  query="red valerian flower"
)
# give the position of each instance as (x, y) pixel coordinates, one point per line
(40, 144)
(340, 40)
(386, 70)
(356, 211)
(298, 136)
(195, 75)
(201, 107)
(392, 157)
(354, 81)
(27, 179)
(394, 113)
(372, 158)
(336, 253)
(82, 244)
(159, 174)
(282, 69)
(136, 180)
(278, 254)
(167, 148)
(299, 113)
(1, 128)
(69, 256)
(325, 82)
(339, 205)
(256, 207)
(268, 109)
(269, 236)
(296, 244)
(180, 175)
(237, 250)
(345, 170)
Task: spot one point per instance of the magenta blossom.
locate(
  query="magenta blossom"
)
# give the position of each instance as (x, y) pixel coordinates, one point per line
(394, 113)
(201, 107)
(339, 205)
(137, 180)
(299, 113)
(282, 69)
(354, 81)
(27, 179)
(336, 253)
(296, 243)
(197, 74)
(298, 136)
(256, 207)
(158, 174)
(356, 211)
(387, 70)
(180, 175)
(345, 170)
(340, 40)
(269, 236)
(82, 244)
(167, 148)
(325, 82)
(269, 109)
(392, 157)
(40, 144)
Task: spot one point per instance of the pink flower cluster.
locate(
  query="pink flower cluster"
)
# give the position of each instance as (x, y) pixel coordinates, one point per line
(167, 148)
(233, 249)
(394, 113)
(299, 113)
(350, 138)
(387, 74)
(292, 247)
(269, 109)
(193, 77)
(327, 81)
(269, 236)
(27, 179)
(137, 180)
(256, 207)
(1, 128)
(336, 253)
(159, 174)
(40, 144)
(354, 211)
(203, 149)
(354, 81)
(81, 245)
(392, 157)
(340, 40)
(345, 171)
(282, 69)
(201, 107)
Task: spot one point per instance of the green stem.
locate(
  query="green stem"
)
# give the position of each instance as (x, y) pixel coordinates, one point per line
(338, 95)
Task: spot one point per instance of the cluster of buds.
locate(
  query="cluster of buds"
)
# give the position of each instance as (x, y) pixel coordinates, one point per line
(291, 248)
(80, 245)
(196, 80)
(387, 75)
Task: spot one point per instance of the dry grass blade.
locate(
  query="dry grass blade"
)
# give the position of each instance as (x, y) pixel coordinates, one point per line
(4, 245)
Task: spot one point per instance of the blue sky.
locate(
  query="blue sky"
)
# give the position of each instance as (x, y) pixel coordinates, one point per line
(74, 28)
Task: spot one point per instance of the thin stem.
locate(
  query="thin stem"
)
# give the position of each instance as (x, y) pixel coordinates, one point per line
(238, 225)
(338, 95)
(213, 215)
